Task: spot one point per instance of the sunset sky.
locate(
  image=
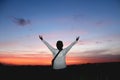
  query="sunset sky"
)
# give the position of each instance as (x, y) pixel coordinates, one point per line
(97, 22)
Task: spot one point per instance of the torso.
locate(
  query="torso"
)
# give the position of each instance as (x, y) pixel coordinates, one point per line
(59, 62)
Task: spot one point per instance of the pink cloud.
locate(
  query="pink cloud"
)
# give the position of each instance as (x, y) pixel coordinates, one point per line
(8, 44)
(96, 52)
(24, 54)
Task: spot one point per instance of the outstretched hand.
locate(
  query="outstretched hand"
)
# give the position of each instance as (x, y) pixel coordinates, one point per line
(40, 37)
(77, 38)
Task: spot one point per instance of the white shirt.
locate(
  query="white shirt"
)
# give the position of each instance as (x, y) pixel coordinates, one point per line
(59, 62)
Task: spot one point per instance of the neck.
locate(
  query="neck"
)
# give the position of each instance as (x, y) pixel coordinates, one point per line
(60, 49)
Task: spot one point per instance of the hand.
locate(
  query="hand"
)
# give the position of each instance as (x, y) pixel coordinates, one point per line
(40, 37)
(77, 38)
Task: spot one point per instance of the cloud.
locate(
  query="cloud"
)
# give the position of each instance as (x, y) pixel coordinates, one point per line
(89, 42)
(94, 53)
(98, 42)
(8, 44)
(111, 56)
(99, 22)
(20, 21)
(24, 54)
(104, 23)
(99, 53)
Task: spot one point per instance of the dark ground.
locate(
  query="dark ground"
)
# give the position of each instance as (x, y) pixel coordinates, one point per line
(98, 71)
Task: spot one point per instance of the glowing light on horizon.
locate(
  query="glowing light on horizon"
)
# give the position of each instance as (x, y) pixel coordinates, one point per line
(47, 60)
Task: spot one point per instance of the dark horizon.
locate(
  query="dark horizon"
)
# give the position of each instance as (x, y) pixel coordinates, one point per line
(98, 71)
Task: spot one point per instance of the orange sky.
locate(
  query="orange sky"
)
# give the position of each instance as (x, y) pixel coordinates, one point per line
(47, 60)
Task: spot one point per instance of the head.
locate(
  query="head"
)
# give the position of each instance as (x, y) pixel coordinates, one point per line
(59, 45)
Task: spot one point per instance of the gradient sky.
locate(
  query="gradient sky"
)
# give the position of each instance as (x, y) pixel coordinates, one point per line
(97, 22)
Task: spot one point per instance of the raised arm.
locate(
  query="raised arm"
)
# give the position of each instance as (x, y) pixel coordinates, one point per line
(47, 44)
(71, 45)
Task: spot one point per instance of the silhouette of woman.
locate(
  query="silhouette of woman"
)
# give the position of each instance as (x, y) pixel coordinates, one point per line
(59, 54)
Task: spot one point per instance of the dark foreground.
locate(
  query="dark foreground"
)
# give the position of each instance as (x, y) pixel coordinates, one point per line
(99, 71)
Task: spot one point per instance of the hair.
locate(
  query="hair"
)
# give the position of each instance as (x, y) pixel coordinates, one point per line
(59, 45)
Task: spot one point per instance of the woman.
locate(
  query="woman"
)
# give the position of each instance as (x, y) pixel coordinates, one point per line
(59, 54)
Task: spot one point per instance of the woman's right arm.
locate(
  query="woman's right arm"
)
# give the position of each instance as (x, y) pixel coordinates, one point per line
(47, 44)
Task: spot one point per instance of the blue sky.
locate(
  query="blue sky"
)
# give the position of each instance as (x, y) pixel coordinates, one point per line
(97, 22)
